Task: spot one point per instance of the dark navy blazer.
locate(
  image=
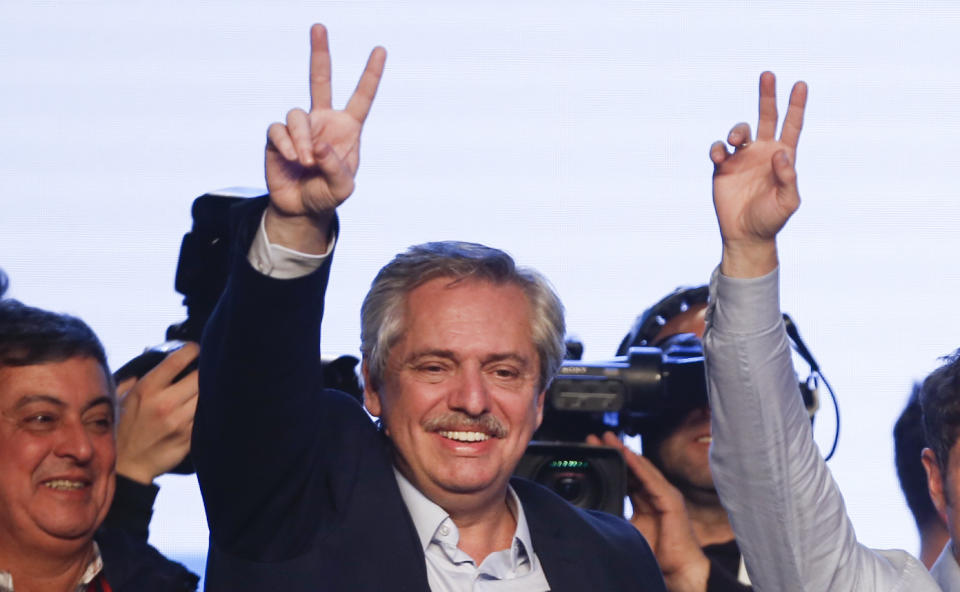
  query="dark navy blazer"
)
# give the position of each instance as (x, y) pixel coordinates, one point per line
(298, 482)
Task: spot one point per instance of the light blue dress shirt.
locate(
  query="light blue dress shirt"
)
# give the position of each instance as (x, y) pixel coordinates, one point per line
(449, 569)
(946, 571)
(785, 508)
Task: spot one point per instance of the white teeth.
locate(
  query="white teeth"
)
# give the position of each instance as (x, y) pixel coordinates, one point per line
(64, 484)
(705, 439)
(465, 436)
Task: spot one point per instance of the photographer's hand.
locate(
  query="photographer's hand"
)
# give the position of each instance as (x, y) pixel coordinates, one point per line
(156, 418)
(659, 513)
(311, 160)
(755, 187)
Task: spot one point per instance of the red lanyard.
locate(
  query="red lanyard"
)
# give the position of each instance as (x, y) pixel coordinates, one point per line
(100, 584)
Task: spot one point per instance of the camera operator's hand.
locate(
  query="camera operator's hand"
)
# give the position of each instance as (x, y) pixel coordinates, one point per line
(156, 417)
(659, 513)
(755, 186)
(311, 160)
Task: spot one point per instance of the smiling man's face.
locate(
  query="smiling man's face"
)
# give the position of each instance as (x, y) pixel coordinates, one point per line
(684, 454)
(57, 453)
(460, 397)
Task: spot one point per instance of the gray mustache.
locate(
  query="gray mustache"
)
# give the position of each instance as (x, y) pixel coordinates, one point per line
(458, 421)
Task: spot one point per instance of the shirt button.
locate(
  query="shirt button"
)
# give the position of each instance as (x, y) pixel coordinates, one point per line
(444, 531)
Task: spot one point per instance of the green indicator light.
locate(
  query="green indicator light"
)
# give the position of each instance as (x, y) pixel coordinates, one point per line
(569, 464)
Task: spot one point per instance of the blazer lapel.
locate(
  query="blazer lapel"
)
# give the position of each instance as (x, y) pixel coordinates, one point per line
(557, 550)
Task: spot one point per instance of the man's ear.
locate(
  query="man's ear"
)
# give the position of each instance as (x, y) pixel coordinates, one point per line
(371, 398)
(935, 482)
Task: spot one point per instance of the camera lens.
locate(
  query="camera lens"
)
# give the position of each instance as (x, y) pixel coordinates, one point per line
(568, 486)
(572, 479)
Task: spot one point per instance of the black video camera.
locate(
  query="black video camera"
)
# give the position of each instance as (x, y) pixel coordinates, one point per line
(653, 382)
(627, 394)
(202, 270)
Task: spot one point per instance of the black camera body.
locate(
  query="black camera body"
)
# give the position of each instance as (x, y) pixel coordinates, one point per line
(202, 270)
(653, 382)
(591, 477)
(201, 277)
(627, 395)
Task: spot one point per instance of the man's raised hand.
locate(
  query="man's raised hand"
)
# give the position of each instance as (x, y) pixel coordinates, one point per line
(311, 160)
(755, 186)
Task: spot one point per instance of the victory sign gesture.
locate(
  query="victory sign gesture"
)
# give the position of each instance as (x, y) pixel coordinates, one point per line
(755, 186)
(311, 160)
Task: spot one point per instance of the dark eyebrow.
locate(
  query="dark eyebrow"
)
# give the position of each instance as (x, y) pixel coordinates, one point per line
(104, 400)
(29, 399)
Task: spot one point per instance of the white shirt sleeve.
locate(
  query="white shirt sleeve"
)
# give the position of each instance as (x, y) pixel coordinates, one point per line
(279, 262)
(785, 508)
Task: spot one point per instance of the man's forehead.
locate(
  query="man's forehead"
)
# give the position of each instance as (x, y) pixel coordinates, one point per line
(460, 294)
(502, 308)
(468, 318)
(79, 381)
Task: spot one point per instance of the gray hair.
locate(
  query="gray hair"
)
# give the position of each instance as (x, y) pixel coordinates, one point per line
(381, 316)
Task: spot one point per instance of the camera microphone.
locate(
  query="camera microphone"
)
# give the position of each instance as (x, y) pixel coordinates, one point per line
(798, 344)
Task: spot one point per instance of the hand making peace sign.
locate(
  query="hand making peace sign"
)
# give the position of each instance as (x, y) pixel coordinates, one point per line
(755, 186)
(311, 160)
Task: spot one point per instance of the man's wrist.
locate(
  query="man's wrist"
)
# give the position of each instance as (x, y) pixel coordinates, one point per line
(280, 262)
(305, 234)
(692, 578)
(134, 472)
(749, 259)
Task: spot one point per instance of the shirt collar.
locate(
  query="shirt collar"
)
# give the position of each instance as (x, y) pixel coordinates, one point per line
(428, 517)
(945, 570)
(93, 569)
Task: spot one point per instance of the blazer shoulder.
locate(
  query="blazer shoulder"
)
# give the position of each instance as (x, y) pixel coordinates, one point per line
(595, 536)
(543, 506)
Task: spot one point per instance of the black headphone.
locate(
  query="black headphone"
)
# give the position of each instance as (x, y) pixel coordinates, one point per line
(648, 325)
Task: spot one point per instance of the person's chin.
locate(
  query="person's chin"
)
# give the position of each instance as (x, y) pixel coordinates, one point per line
(469, 479)
(75, 530)
(70, 520)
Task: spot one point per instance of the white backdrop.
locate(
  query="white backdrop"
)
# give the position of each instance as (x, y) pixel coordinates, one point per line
(573, 134)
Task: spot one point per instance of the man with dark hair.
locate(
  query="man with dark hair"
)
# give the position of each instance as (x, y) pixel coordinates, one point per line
(675, 503)
(57, 457)
(785, 508)
(56, 450)
(908, 444)
(302, 491)
(940, 403)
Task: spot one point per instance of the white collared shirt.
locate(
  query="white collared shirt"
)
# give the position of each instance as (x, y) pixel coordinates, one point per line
(946, 571)
(94, 567)
(450, 569)
(784, 505)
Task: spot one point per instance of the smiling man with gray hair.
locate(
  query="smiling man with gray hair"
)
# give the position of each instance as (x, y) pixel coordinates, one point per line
(302, 490)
